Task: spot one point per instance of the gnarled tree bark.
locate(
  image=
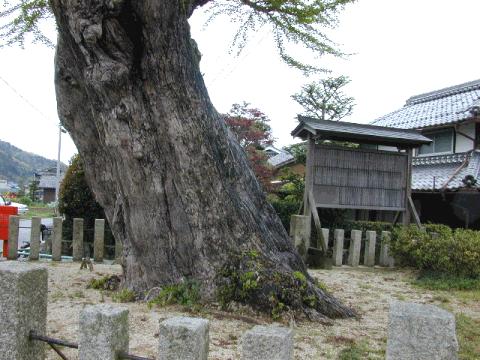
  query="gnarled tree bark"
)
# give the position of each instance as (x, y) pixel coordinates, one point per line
(175, 185)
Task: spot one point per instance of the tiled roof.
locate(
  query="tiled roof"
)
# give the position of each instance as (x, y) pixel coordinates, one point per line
(49, 182)
(446, 106)
(346, 131)
(433, 172)
(281, 159)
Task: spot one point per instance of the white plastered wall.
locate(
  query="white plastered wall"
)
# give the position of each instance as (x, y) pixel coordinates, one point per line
(462, 143)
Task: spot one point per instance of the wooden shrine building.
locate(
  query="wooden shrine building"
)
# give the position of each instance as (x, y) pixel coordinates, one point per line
(375, 175)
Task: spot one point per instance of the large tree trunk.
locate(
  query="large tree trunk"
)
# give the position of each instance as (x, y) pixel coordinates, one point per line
(175, 186)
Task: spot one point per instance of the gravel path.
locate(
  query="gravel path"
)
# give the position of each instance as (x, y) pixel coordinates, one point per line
(369, 291)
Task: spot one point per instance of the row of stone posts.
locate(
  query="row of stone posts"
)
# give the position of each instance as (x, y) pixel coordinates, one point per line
(103, 328)
(55, 243)
(298, 232)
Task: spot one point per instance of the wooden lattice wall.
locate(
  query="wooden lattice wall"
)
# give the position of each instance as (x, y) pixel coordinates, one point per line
(359, 178)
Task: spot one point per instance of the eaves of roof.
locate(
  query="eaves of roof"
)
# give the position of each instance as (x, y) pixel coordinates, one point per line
(347, 131)
(446, 172)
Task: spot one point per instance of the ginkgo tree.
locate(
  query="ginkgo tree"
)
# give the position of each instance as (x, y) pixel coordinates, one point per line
(173, 181)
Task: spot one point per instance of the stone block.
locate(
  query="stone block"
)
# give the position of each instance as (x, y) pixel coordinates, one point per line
(183, 338)
(355, 246)
(99, 240)
(13, 229)
(267, 343)
(103, 332)
(325, 237)
(417, 331)
(57, 239)
(35, 238)
(77, 240)
(338, 240)
(23, 308)
(369, 254)
(298, 232)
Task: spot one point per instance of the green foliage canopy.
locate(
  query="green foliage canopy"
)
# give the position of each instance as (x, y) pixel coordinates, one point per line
(289, 21)
(75, 198)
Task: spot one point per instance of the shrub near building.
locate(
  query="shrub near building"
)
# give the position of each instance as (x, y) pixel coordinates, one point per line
(439, 249)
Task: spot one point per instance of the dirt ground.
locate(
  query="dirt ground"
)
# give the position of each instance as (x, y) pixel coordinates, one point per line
(369, 291)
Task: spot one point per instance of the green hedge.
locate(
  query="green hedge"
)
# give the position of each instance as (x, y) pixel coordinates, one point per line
(438, 249)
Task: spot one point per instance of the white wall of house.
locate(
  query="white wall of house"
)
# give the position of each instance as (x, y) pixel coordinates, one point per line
(462, 143)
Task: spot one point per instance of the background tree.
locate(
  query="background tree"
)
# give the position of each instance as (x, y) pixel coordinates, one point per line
(253, 132)
(325, 99)
(174, 183)
(76, 200)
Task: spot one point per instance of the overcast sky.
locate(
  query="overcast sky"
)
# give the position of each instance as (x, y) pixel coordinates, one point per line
(402, 48)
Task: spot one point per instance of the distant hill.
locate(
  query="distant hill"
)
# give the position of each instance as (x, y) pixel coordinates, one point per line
(18, 166)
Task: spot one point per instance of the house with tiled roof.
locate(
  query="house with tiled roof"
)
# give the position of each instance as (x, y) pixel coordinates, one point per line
(446, 173)
(280, 159)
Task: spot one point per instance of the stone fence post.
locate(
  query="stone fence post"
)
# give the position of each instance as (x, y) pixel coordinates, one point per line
(57, 239)
(103, 332)
(13, 229)
(298, 232)
(35, 238)
(339, 236)
(385, 258)
(184, 338)
(267, 343)
(99, 240)
(355, 246)
(23, 308)
(369, 254)
(77, 240)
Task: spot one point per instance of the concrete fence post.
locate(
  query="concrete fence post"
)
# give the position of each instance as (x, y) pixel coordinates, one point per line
(369, 254)
(355, 246)
(13, 229)
(385, 258)
(77, 239)
(23, 308)
(339, 236)
(183, 338)
(57, 239)
(103, 332)
(325, 236)
(267, 343)
(35, 238)
(99, 240)
(298, 232)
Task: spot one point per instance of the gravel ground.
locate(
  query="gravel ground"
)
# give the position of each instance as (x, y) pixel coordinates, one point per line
(369, 291)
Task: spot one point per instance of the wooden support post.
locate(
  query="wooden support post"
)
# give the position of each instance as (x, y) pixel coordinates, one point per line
(316, 220)
(414, 212)
(309, 183)
(408, 188)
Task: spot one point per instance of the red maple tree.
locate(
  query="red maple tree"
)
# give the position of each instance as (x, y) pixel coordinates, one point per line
(253, 132)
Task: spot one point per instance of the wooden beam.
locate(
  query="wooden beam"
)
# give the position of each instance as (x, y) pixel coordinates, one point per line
(408, 187)
(414, 212)
(316, 220)
(395, 219)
